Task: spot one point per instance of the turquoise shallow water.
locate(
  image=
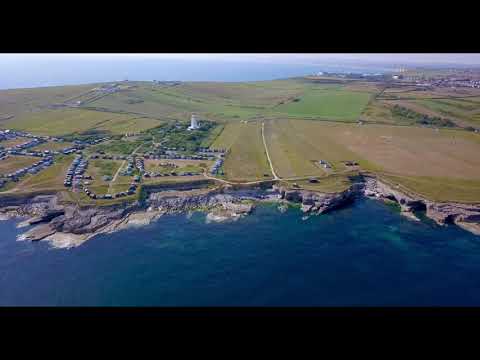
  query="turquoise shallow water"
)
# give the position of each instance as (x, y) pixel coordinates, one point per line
(365, 254)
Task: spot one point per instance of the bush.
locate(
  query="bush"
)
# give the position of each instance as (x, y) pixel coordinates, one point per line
(422, 119)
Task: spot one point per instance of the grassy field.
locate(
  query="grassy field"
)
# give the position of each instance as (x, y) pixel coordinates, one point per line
(171, 180)
(212, 137)
(14, 163)
(439, 188)
(290, 155)
(463, 109)
(439, 164)
(241, 101)
(332, 103)
(379, 112)
(67, 121)
(321, 137)
(50, 178)
(52, 146)
(118, 147)
(19, 101)
(228, 136)
(99, 168)
(405, 150)
(417, 157)
(329, 184)
(182, 166)
(246, 159)
(11, 143)
(462, 105)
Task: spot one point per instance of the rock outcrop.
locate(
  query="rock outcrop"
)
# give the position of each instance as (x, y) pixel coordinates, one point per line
(222, 206)
(69, 225)
(82, 221)
(466, 216)
(315, 202)
(377, 189)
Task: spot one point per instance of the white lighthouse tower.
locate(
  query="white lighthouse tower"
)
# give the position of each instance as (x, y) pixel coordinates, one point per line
(194, 123)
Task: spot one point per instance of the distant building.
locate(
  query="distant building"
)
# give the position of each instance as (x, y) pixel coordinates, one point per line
(194, 124)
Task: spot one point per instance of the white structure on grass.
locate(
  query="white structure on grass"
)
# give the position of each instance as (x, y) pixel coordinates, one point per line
(194, 124)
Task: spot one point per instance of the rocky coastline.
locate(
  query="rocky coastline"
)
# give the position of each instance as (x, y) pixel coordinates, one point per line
(66, 226)
(467, 216)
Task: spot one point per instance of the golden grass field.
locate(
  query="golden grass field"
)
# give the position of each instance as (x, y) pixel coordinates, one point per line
(52, 146)
(439, 164)
(290, 155)
(48, 179)
(99, 168)
(397, 149)
(445, 159)
(14, 163)
(11, 143)
(247, 160)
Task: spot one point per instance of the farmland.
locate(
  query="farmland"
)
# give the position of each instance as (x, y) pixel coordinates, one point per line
(67, 121)
(289, 154)
(420, 138)
(332, 103)
(247, 160)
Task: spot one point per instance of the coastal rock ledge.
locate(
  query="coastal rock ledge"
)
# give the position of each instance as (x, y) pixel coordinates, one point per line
(315, 202)
(466, 216)
(69, 225)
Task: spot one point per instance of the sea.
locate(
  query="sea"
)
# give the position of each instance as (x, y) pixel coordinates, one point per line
(366, 254)
(39, 71)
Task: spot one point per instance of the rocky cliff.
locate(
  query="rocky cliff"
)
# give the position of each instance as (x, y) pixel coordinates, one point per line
(69, 225)
(316, 202)
(465, 215)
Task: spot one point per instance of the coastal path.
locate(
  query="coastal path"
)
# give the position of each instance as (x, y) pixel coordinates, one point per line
(275, 177)
(120, 168)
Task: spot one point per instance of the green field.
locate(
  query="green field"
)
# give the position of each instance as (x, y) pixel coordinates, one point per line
(19, 101)
(11, 143)
(290, 155)
(14, 163)
(332, 103)
(228, 136)
(52, 146)
(246, 159)
(68, 121)
(306, 120)
(328, 184)
(463, 109)
(49, 179)
(439, 188)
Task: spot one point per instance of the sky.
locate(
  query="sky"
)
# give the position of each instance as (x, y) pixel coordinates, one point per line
(301, 59)
(32, 70)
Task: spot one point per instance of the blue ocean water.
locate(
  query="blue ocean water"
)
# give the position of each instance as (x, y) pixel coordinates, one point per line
(54, 70)
(365, 254)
